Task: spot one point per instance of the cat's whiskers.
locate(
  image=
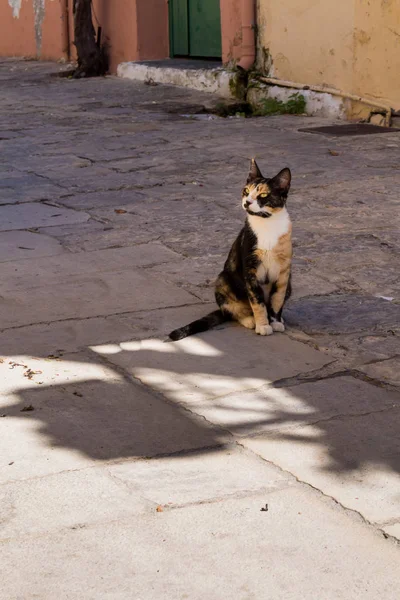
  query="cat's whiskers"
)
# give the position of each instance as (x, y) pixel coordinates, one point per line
(254, 207)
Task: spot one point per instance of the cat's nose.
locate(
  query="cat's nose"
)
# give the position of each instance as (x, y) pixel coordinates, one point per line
(247, 203)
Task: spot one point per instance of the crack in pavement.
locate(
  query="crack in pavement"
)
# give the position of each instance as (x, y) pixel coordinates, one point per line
(131, 378)
(306, 423)
(308, 378)
(352, 513)
(101, 316)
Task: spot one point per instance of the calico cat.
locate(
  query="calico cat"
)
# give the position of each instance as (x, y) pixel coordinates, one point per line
(255, 282)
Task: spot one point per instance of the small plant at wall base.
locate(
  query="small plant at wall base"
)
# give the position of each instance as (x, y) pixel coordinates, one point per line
(92, 57)
(295, 105)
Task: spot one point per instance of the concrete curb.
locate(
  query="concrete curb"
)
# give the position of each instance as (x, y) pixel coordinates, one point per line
(215, 81)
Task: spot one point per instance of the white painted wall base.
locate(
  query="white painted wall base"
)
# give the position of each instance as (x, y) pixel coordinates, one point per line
(215, 81)
(321, 105)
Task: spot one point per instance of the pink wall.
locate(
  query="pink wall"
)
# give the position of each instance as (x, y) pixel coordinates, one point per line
(119, 28)
(20, 36)
(153, 32)
(231, 23)
(133, 29)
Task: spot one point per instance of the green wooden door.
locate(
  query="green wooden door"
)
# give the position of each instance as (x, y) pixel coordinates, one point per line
(195, 28)
(178, 26)
(204, 28)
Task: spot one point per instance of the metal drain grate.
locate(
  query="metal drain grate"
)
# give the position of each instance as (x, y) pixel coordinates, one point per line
(350, 129)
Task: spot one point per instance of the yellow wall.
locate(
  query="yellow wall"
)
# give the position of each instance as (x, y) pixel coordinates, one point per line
(352, 45)
(377, 49)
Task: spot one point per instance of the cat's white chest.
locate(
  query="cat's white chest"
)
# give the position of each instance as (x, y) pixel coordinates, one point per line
(268, 231)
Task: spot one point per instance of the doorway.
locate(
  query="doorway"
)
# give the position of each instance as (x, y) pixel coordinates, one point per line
(195, 28)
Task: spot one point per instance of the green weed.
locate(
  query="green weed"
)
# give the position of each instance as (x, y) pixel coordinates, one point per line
(295, 105)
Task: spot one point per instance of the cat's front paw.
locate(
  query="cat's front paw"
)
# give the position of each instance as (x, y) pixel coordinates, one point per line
(264, 329)
(277, 326)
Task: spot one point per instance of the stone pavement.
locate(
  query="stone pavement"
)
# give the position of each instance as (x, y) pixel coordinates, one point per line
(226, 465)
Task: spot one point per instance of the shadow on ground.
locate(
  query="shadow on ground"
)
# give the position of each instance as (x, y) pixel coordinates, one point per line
(201, 391)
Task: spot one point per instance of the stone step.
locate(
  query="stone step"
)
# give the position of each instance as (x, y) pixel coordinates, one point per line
(201, 75)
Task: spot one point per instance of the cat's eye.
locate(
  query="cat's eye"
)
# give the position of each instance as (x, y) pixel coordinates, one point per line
(246, 191)
(263, 195)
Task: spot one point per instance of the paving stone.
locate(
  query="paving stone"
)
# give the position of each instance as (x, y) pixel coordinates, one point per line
(103, 236)
(354, 261)
(109, 198)
(8, 135)
(379, 346)
(393, 530)
(197, 370)
(322, 245)
(340, 220)
(192, 217)
(37, 215)
(310, 284)
(343, 314)
(102, 178)
(387, 370)
(112, 291)
(381, 281)
(72, 335)
(60, 268)
(193, 244)
(74, 237)
(64, 288)
(176, 481)
(129, 228)
(197, 275)
(355, 350)
(83, 412)
(353, 457)
(46, 162)
(344, 193)
(389, 238)
(270, 409)
(17, 245)
(27, 187)
(87, 496)
(255, 547)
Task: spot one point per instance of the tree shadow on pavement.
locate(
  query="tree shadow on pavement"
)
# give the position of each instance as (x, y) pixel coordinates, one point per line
(201, 391)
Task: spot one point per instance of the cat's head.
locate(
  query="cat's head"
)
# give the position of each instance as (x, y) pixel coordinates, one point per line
(263, 196)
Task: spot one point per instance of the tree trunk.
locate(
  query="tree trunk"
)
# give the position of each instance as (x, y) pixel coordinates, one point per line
(91, 58)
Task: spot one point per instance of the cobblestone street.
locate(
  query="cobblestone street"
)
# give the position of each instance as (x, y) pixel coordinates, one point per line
(226, 465)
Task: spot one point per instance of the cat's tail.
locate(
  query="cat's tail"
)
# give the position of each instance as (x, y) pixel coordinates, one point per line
(204, 324)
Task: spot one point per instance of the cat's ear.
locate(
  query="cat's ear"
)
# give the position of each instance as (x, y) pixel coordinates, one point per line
(281, 182)
(254, 172)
